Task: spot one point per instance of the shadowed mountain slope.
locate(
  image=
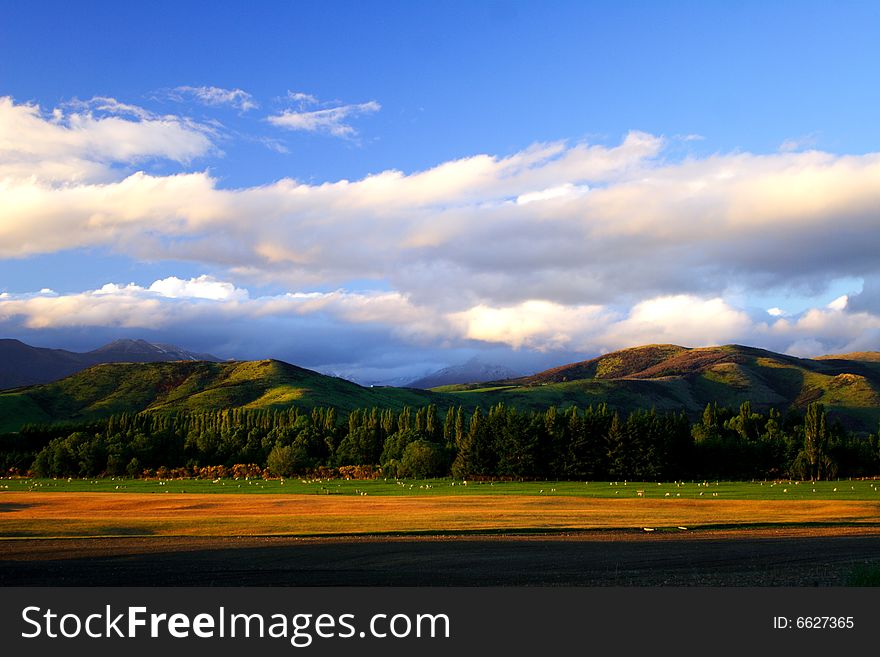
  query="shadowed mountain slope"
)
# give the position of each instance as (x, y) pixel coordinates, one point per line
(24, 365)
(473, 371)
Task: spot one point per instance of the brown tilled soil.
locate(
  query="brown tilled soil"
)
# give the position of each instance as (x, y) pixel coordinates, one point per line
(746, 557)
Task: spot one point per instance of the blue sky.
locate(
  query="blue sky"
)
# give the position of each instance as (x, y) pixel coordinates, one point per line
(529, 182)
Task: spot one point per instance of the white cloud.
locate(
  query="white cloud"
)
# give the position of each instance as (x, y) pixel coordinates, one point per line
(332, 120)
(823, 331)
(119, 307)
(684, 320)
(540, 325)
(536, 325)
(173, 300)
(806, 348)
(680, 319)
(646, 228)
(839, 303)
(562, 191)
(290, 230)
(302, 99)
(203, 287)
(558, 245)
(83, 145)
(237, 98)
(106, 105)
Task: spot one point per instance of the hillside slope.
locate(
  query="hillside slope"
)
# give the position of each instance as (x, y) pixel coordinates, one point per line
(665, 377)
(669, 377)
(189, 386)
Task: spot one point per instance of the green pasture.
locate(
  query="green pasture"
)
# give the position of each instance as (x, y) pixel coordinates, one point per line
(862, 489)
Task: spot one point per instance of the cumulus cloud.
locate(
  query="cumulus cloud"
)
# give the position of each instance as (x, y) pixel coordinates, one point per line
(825, 330)
(646, 227)
(215, 96)
(294, 232)
(681, 319)
(532, 325)
(175, 301)
(557, 246)
(83, 144)
(203, 287)
(310, 115)
(541, 325)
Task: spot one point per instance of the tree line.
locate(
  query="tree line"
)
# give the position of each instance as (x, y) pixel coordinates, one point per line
(595, 443)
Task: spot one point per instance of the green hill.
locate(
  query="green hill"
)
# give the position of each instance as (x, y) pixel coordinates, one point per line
(666, 377)
(190, 386)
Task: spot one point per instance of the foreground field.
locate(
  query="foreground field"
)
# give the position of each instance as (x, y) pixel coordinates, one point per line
(746, 557)
(29, 514)
(319, 533)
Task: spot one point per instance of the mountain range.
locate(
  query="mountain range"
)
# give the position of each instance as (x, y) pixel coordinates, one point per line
(24, 365)
(473, 371)
(665, 377)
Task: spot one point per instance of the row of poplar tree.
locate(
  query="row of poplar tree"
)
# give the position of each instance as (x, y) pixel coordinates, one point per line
(595, 443)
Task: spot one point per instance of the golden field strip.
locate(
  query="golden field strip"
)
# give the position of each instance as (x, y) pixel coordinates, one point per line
(29, 515)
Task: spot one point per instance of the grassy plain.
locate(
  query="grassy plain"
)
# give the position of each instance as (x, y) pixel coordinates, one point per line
(84, 508)
(856, 489)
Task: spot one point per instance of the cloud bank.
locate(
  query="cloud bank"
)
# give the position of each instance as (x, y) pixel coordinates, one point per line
(537, 325)
(560, 246)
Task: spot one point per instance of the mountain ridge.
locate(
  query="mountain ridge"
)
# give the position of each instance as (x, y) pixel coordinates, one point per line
(472, 371)
(23, 365)
(672, 378)
(668, 378)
